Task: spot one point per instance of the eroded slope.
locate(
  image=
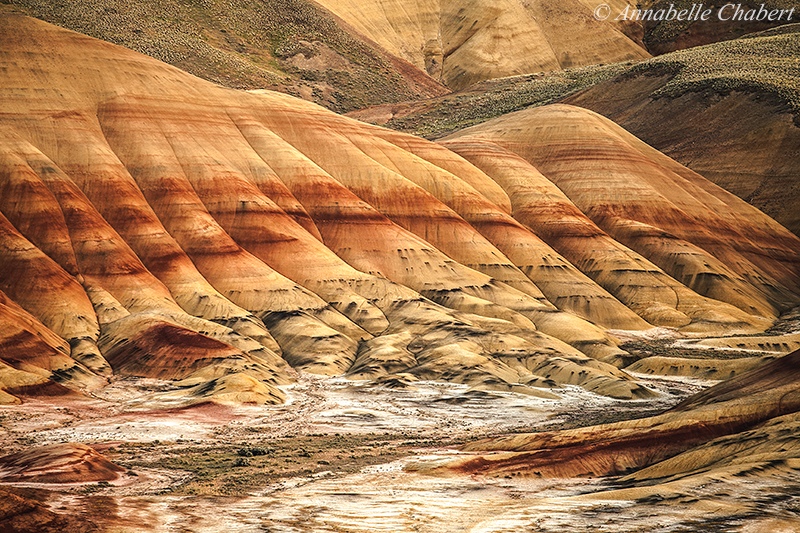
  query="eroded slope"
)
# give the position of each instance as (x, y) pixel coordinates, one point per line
(156, 225)
(727, 110)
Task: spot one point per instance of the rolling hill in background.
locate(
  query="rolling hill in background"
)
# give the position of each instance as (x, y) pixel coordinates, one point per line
(461, 43)
(663, 36)
(728, 111)
(293, 46)
(350, 55)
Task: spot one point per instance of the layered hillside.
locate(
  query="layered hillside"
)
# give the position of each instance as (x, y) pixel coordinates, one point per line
(156, 225)
(59, 463)
(704, 456)
(731, 427)
(461, 43)
(293, 46)
(728, 110)
(668, 224)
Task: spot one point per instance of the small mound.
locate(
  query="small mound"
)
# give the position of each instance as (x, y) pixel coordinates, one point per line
(396, 381)
(164, 351)
(7, 399)
(13, 379)
(696, 368)
(777, 344)
(15, 384)
(58, 463)
(237, 389)
(44, 389)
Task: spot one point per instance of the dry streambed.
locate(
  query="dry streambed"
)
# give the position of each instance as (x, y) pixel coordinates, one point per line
(341, 455)
(340, 443)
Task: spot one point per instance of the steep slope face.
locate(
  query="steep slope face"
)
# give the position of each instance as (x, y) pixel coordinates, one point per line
(59, 463)
(31, 355)
(293, 46)
(165, 227)
(468, 41)
(728, 111)
(629, 234)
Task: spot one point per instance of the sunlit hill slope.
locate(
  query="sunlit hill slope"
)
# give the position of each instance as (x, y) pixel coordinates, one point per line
(157, 225)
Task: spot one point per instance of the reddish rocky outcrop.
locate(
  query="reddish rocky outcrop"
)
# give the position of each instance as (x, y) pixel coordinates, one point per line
(58, 463)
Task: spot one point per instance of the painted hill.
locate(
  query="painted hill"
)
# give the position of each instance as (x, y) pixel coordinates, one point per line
(59, 463)
(727, 110)
(644, 227)
(157, 225)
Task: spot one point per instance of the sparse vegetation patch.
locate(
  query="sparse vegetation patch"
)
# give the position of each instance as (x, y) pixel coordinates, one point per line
(490, 99)
(247, 44)
(768, 64)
